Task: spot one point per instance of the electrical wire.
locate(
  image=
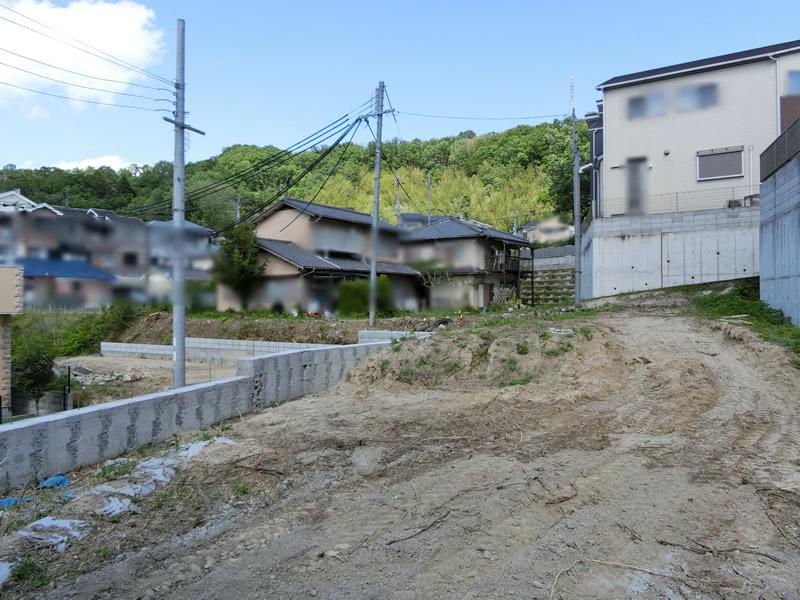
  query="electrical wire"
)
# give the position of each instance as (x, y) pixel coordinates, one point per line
(526, 118)
(291, 184)
(19, 87)
(46, 64)
(96, 52)
(329, 175)
(86, 87)
(394, 113)
(391, 168)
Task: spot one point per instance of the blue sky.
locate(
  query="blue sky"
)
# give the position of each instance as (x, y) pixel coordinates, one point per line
(271, 72)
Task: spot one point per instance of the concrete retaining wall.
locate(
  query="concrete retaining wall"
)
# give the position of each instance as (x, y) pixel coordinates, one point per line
(36, 448)
(379, 335)
(634, 253)
(780, 240)
(284, 376)
(203, 350)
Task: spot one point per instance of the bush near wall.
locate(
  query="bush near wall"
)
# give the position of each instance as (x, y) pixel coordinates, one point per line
(354, 297)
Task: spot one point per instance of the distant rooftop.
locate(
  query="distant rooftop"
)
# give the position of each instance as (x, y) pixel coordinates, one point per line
(325, 211)
(71, 269)
(705, 64)
(455, 228)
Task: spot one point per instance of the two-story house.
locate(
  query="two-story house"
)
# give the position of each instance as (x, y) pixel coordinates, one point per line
(675, 169)
(309, 248)
(464, 262)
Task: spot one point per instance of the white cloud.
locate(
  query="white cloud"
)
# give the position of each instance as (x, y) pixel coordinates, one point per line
(109, 160)
(123, 29)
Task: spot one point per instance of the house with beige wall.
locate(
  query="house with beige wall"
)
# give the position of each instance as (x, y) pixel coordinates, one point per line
(308, 248)
(464, 262)
(675, 169)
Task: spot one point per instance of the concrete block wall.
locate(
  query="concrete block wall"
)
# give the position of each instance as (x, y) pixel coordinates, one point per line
(36, 448)
(5, 366)
(33, 449)
(636, 253)
(380, 335)
(203, 350)
(284, 376)
(780, 240)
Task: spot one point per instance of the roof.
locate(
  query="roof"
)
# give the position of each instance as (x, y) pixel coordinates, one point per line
(303, 259)
(705, 64)
(192, 227)
(454, 228)
(325, 211)
(72, 269)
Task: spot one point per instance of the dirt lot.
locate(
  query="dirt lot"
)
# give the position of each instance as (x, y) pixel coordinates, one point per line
(105, 378)
(639, 453)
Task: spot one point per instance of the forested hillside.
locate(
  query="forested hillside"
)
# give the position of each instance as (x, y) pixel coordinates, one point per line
(525, 171)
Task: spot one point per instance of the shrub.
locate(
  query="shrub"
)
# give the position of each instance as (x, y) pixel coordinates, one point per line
(85, 335)
(522, 348)
(354, 297)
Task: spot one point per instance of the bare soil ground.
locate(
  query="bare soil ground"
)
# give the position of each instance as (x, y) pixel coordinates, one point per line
(108, 378)
(638, 453)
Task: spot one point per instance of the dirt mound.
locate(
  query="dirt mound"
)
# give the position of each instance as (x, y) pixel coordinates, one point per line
(475, 358)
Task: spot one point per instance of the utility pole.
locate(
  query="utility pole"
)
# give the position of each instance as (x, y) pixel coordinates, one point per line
(429, 197)
(376, 198)
(576, 193)
(178, 213)
(237, 209)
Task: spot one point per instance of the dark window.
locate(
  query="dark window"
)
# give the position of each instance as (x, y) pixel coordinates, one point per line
(720, 163)
(130, 259)
(652, 105)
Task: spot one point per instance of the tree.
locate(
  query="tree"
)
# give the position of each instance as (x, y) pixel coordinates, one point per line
(32, 365)
(238, 264)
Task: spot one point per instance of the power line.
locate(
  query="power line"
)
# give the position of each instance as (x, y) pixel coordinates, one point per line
(327, 177)
(86, 87)
(291, 184)
(394, 115)
(391, 168)
(19, 87)
(46, 64)
(461, 118)
(97, 53)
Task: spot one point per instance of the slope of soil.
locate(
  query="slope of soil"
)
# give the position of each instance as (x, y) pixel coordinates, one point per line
(627, 455)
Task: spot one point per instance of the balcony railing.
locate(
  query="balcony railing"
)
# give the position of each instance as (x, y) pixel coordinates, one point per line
(703, 199)
(781, 151)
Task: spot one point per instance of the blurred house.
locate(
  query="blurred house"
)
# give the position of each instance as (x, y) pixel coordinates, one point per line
(309, 248)
(162, 248)
(675, 171)
(548, 231)
(75, 257)
(463, 263)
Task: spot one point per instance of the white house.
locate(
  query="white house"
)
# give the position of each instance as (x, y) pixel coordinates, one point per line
(688, 136)
(675, 169)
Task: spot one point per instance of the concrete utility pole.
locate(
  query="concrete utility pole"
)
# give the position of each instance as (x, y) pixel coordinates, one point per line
(237, 208)
(429, 197)
(178, 213)
(376, 198)
(576, 193)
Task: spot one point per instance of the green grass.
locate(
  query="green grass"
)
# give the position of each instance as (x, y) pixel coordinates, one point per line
(562, 347)
(30, 573)
(586, 332)
(768, 323)
(520, 380)
(115, 471)
(241, 489)
(406, 375)
(522, 348)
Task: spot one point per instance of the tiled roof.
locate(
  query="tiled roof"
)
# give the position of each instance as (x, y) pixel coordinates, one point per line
(704, 64)
(73, 269)
(332, 212)
(454, 228)
(303, 259)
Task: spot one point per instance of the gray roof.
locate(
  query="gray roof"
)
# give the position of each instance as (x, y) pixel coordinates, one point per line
(325, 211)
(304, 259)
(705, 64)
(454, 228)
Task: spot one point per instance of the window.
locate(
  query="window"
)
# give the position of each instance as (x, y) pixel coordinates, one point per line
(698, 96)
(793, 83)
(130, 259)
(720, 163)
(640, 107)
